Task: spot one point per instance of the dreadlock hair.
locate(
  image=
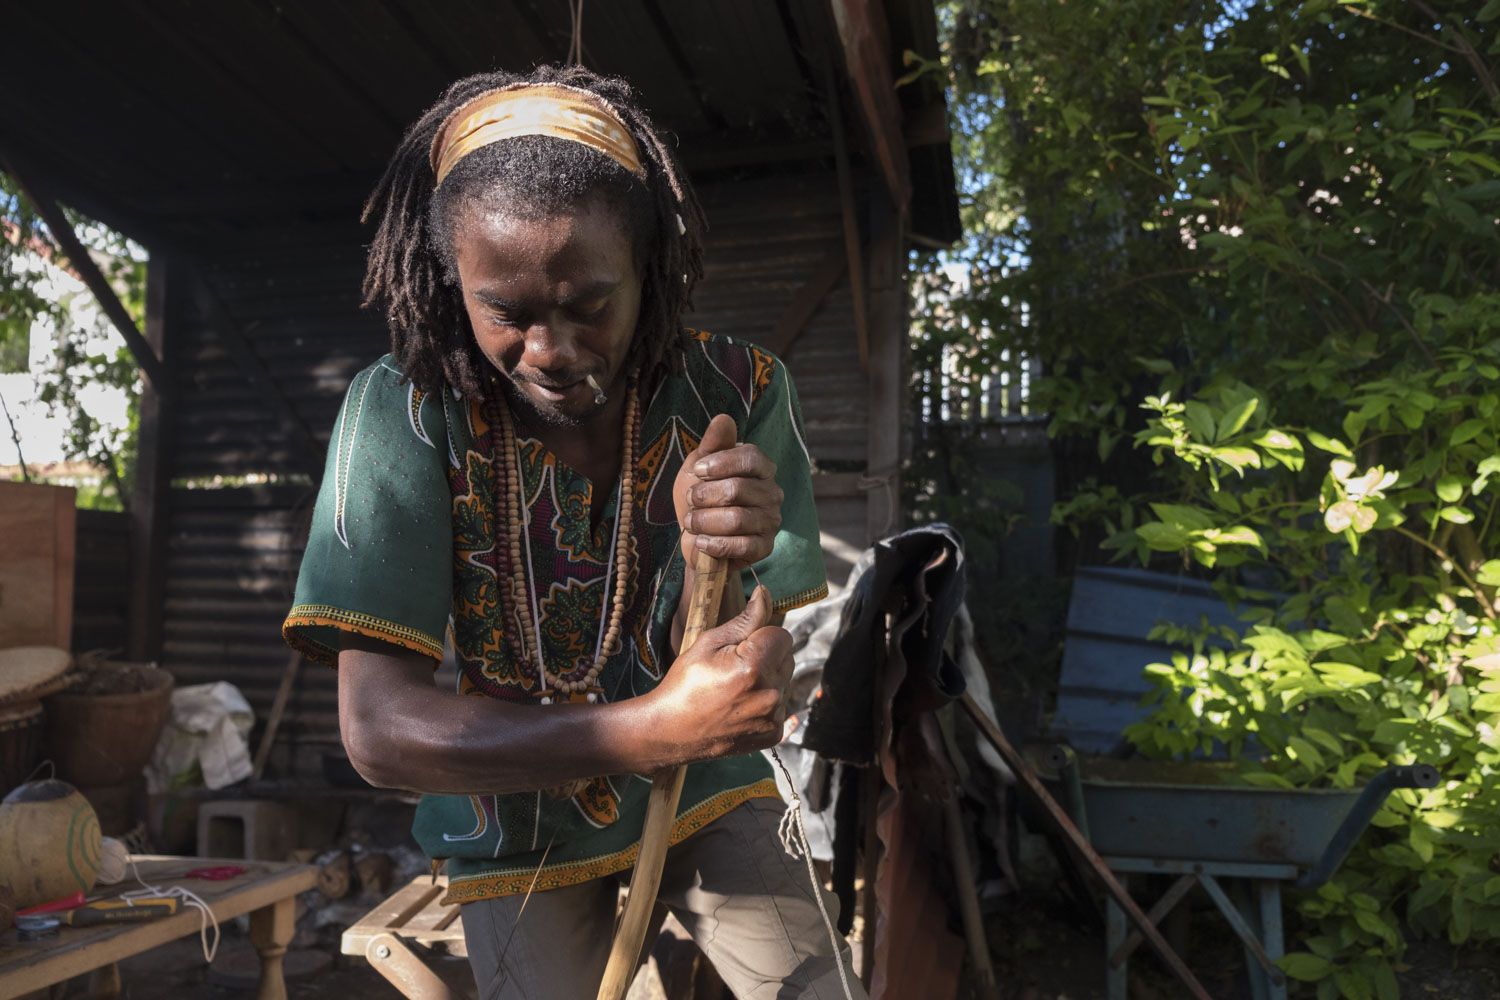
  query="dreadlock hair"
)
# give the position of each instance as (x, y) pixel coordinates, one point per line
(411, 273)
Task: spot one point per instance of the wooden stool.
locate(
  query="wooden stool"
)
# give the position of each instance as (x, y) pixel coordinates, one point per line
(414, 914)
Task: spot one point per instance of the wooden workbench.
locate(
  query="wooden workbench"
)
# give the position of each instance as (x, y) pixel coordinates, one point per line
(267, 891)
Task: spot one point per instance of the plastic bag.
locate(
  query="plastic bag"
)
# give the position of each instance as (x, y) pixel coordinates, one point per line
(205, 741)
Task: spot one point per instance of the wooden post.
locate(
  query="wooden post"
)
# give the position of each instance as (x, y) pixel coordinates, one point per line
(864, 34)
(153, 469)
(886, 376)
(848, 212)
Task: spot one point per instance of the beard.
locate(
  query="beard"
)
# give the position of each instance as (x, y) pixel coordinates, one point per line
(528, 409)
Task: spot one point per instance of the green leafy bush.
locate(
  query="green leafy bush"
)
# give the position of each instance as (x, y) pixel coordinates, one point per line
(1276, 225)
(1371, 645)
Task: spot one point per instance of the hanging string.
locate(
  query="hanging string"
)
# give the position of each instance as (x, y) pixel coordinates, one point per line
(575, 44)
(51, 768)
(885, 481)
(794, 841)
(500, 964)
(793, 836)
(206, 916)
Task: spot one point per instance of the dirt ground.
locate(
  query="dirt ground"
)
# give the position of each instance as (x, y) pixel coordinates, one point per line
(1042, 948)
(176, 972)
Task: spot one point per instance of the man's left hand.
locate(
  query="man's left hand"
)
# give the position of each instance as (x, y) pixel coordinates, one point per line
(727, 500)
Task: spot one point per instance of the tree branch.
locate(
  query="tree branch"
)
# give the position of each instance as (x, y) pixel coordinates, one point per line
(1401, 27)
(1465, 48)
(1385, 301)
(1442, 553)
(16, 437)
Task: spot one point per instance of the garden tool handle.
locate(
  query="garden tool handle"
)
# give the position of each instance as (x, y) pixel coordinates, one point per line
(1030, 785)
(1413, 776)
(1371, 798)
(704, 605)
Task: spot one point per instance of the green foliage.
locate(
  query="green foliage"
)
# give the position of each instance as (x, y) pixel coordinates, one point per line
(1369, 642)
(85, 361)
(1276, 225)
(21, 303)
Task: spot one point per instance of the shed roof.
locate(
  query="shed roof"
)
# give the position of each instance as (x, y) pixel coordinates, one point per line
(188, 122)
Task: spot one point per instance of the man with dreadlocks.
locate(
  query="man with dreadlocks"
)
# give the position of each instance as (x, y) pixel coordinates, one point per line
(532, 469)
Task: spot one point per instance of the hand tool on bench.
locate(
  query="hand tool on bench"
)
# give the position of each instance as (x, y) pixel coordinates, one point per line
(118, 911)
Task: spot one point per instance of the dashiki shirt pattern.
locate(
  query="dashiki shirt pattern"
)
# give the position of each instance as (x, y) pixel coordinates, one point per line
(408, 542)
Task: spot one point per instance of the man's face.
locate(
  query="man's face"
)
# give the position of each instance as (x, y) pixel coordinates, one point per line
(552, 300)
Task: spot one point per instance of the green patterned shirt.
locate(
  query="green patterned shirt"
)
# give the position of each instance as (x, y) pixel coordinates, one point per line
(408, 541)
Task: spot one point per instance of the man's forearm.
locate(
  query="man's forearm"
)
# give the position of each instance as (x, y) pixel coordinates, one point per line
(423, 738)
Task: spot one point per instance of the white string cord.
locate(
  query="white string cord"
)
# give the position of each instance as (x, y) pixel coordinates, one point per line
(185, 896)
(794, 841)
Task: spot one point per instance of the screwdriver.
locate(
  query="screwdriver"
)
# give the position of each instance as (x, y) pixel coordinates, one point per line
(113, 911)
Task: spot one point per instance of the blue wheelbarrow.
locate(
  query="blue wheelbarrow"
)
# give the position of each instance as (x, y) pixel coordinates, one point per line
(1149, 817)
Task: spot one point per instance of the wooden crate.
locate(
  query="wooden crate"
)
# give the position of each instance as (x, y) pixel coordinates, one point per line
(37, 530)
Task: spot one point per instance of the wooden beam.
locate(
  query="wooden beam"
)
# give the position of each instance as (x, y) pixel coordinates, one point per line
(153, 469)
(238, 345)
(690, 81)
(885, 379)
(864, 33)
(848, 216)
(88, 272)
(804, 305)
(927, 126)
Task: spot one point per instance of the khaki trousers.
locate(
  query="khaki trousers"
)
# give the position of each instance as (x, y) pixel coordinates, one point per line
(747, 904)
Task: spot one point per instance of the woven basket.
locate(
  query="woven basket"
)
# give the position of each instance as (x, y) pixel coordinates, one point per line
(28, 673)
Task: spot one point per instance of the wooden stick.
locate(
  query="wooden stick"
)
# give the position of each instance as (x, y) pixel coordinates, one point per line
(709, 576)
(1032, 784)
(278, 709)
(987, 987)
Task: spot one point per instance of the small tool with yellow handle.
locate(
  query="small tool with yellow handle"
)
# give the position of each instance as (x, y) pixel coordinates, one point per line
(118, 911)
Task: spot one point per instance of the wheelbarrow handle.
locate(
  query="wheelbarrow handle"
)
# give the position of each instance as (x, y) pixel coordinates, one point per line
(1371, 798)
(1411, 776)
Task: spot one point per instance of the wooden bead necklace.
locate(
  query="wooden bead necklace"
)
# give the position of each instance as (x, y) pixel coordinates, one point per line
(521, 589)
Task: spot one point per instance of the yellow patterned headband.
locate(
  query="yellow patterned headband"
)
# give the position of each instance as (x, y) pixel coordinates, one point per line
(543, 109)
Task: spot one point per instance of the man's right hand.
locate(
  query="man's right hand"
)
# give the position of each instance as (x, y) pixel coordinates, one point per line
(727, 694)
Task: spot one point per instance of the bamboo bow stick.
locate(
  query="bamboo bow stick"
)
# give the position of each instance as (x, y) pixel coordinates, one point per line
(709, 576)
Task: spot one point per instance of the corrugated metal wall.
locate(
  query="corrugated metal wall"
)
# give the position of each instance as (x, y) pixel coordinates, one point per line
(101, 580)
(233, 552)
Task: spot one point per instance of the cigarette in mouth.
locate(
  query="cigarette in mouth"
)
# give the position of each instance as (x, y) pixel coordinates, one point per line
(593, 383)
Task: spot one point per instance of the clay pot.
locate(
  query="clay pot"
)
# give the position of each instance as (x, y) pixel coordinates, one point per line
(49, 842)
(101, 732)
